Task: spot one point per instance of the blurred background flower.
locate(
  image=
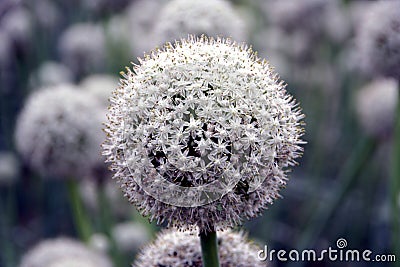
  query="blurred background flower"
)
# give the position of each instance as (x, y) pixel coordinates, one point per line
(340, 59)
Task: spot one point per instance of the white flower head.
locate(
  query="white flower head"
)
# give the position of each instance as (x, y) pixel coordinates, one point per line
(63, 252)
(5, 49)
(18, 24)
(214, 18)
(378, 39)
(296, 14)
(99, 242)
(100, 85)
(59, 131)
(83, 47)
(176, 248)
(140, 25)
(376, 106)
(130, 236)
(50, 73)
(119, 205)
(200, 133)
(9, 168)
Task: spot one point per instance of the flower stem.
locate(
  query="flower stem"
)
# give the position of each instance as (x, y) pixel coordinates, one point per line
(82, 222)
(209, 248)
(107, 223)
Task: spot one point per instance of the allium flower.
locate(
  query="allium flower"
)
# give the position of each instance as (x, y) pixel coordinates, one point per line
(175, 248)
(100, 86)
(47, 15)
(200, 134)
(50, 74)
(296, 14)
(63, 252)
(8, 168)
(82, 47)
(17, 23)
(179, 18)
(58, 131)
(376, 106)
(119, 205)
(140, 24)
(130, 236)
(99, 242)
(378, 39)
(5, 49)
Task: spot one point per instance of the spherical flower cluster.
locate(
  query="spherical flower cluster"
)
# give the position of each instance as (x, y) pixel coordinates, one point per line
(50, 73)
(376, 106)
(18, 24)
(130, 236)
(175, 248)
(306, 21)
(59, 131)
(100, 86)
(179, 18)
(378, 39)
(89, 191)
(140, 25)
(9, 168)
(296, 14)
(200, 133)
(5, 49)
(82, 47)
(63, 252)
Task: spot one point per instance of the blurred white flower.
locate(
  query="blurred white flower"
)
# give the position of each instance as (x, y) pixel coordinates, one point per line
(376, 106)
(99, 242)
(50, 73)
(130, 236)
(9, 168)
(18, 24)
(59, 131)
(47, 15)
(101, 86)
(141, 24)
(296, 14)
(200, 134)
(120, 206)
(5, 52)
(83, 49)
(378, 39)
(63, 252)
(177, 248)
(179, 18)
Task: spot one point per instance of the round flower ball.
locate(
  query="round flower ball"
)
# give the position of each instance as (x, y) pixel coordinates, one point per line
(179, 18)
(176, 248)
(376, 106)
(100, 86)
(130, 236)
(63, 252)
(58, 132)
(200, 134)
(50, 73)
(83, 48)
(378, 39)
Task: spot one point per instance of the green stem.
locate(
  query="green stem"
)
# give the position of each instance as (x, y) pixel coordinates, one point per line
(107, 223)
(209, 248)
(395, 185)
(81, 219)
